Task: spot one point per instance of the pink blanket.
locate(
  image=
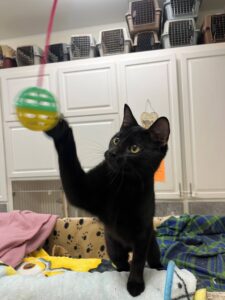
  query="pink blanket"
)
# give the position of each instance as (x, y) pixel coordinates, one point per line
(22, 232)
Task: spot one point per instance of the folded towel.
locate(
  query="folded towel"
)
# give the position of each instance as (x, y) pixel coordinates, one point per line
(22, 232)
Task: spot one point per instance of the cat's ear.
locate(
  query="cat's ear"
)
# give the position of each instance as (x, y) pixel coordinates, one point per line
(160, 131)
(128, 118)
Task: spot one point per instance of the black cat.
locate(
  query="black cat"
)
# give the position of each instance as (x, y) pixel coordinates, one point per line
(120, 190)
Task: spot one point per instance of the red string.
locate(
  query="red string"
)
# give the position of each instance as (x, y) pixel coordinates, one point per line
(47, 41)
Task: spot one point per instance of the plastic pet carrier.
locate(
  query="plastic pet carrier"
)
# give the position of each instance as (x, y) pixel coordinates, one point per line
(147, 40)
(213, 29)
(7, 57)
(83, 46)
(174, 9)
(28, 55)
(178, 33)
(114, 41)
(143, 15)
(58, 52)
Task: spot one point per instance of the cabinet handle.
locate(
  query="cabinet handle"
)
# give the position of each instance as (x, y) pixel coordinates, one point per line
(191, 193)
(180, 190)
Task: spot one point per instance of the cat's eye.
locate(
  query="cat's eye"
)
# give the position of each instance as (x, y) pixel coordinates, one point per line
(134, 149)
(116, 141)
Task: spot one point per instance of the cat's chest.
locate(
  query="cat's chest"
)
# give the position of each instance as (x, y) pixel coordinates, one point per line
(128, 217)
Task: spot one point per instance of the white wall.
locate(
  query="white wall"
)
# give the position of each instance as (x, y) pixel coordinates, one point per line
(58, 37)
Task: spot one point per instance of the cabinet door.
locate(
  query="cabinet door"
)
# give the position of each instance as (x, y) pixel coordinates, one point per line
(88, 88)
(203, 93)
(155, 78)
(14, 81)
(92, 135)
(3, 187)
(29, 153)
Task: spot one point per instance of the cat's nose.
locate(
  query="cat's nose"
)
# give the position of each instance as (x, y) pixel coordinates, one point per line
(111, 153)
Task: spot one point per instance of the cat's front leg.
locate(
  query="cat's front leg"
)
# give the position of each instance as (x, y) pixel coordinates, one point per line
(135, 284)
(153, 255)
(117, 252)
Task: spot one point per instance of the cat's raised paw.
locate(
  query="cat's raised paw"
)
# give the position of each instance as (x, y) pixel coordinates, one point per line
(135, 288)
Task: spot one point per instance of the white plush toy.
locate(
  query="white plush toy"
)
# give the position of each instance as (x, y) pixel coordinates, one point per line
(159, 285)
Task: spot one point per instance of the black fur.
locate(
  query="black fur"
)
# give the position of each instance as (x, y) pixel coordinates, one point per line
(120, 190)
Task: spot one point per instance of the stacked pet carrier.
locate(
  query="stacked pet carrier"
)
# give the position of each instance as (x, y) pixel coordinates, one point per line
(28, 55)
(7, 57)
(114, 41)
(213, 29)
(144, 21)
(58, 53)
(180, 25)
(83, 46)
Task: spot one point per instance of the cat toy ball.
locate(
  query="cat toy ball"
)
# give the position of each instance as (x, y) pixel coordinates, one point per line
(37, 108)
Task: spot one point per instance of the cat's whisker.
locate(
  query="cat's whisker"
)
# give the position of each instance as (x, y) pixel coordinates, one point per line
(96, 145)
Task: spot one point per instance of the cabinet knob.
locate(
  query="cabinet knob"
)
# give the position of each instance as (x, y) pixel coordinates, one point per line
(191, 191)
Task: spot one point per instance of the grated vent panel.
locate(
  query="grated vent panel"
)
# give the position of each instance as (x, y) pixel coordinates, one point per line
(143, 12)
(218, 27)
(181, 33)
(182, 7)
(80, 46)
(113, 41)
(38, 196)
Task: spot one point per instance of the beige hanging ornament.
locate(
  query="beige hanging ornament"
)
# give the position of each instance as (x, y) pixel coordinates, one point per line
(148, 118)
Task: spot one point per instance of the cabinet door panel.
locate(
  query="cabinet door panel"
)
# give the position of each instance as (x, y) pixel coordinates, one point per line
(88, 89)
(3, 187)
(155, 78)
(29, 153)
(14, 82)
(92, 136)
(203, 111)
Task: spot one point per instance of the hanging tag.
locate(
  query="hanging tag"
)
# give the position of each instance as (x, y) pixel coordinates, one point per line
(160, 174)
(148, 118)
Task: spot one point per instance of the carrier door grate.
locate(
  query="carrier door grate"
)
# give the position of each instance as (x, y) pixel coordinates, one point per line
(52, 57)
(182, 7)
(57, 53)
(25, 55)
(145, 41)
(218, 27)
(181, 33)
(113, 41)
(80, 46)
(143, 12)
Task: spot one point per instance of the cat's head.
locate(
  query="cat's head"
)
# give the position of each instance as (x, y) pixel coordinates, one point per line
(135, 149)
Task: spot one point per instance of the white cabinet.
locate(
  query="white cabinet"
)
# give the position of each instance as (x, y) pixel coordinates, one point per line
(92, 135)
(3, 187)
(154, 77)
(88, 88)
(92, 93)
(15, 80)
(203, 92)
(29, 153)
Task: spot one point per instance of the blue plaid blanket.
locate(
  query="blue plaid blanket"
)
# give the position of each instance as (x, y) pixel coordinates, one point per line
(196, 243)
